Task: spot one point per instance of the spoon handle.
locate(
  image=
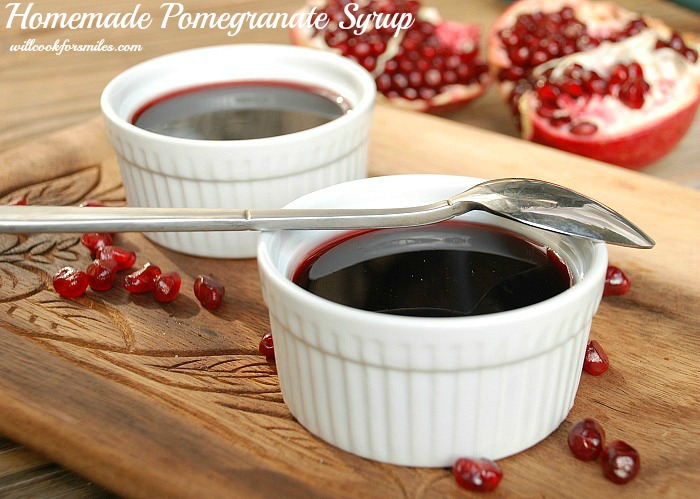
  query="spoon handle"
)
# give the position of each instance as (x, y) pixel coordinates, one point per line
(40, 219)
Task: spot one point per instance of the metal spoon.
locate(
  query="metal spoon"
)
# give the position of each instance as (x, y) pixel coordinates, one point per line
(532, 202)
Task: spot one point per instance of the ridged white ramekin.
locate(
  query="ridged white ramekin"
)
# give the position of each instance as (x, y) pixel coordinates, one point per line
(162, 171)
(424, 391)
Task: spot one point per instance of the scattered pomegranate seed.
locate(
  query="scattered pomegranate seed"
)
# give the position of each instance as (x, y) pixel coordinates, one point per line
(477, 475)
(101, 274)
(267, 347)
(596, 360)
(208, 291)
(125, 258)
(586, 439)
(96, 240)
(620, 462)
(143, 280)
(167, 287)
(69, 282)
(18, 201)
(616, 282)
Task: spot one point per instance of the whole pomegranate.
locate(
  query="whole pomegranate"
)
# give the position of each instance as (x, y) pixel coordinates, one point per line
(595, 79)
(431, 66)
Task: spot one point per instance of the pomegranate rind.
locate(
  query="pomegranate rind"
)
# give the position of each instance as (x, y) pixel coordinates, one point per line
(450, 98)
(634, 151)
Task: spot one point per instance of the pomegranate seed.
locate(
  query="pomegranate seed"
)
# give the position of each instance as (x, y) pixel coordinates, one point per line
(676, 42)
(632, 94)
(477, 475)
(167, 287)
(616, 282)
(560, 121)
(18, 201)
(101, 274)
(547, 110)
(583, 128)
(620, 462)
(586, 439)
(208, 291)
(143, 280)
(634, 71)
(596, 360)
(618, 75)
(267, 347)
(96, 240)
(69, 282)
(595, 84)
(125, 258)
(547, 92)
(573, 87)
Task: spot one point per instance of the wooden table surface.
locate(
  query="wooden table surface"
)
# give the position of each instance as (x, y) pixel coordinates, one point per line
(41, 93)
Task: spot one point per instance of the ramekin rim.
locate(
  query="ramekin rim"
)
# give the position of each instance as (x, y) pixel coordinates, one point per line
(358, 110)
(456, 325)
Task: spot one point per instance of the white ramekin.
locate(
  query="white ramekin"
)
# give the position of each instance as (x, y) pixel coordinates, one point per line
(424, 391)
(162, 171)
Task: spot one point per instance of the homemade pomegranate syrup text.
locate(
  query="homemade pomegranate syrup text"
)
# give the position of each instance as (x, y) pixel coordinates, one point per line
(240, 110)
(449, 269)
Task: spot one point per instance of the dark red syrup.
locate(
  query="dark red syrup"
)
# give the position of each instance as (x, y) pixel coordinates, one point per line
(450, 269)
(240, 110)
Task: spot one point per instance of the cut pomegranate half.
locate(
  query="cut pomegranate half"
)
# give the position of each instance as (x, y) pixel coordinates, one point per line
(596, 80)
(431, 66)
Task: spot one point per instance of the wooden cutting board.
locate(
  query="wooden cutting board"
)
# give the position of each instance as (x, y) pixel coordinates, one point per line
(152, 399)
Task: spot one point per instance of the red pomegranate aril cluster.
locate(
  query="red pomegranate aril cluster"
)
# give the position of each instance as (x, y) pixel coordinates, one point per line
(424, 67)
(595, 361)
(619, 461)
(616, 282)
(477, 475)
(109, 259)
(364, 48)
(626, 82)
(208, 291)
(539, 37)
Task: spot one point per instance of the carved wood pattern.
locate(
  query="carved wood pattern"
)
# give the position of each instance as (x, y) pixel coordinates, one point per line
(171, 399)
